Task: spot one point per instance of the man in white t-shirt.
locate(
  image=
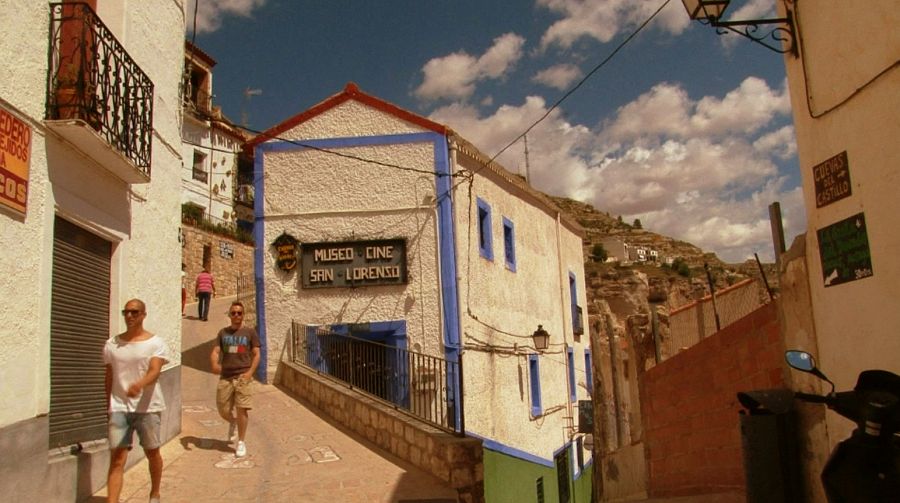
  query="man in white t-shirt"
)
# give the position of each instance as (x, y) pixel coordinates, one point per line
(133, 361)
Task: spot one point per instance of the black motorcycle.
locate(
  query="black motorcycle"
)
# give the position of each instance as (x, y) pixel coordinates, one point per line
(866, 466)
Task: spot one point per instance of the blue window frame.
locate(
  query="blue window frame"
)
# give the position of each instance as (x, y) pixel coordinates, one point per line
(509, 244)
(570, 359)
(485, 240)
(589, 371)
(534, 374)
(573, 296)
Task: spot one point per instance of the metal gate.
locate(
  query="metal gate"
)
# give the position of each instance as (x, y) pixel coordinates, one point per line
(79, 327)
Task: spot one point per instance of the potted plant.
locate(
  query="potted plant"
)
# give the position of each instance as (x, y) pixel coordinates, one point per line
(74, 95)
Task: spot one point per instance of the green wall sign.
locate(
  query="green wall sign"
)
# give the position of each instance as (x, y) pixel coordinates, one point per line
(844, 251)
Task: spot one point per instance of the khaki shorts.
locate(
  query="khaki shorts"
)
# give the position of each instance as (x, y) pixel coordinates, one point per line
(233, 392)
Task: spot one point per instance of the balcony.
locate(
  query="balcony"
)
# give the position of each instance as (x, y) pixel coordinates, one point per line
(577, 321)
(98, 98)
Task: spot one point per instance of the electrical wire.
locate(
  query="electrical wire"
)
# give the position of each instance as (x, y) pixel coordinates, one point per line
(846, 99)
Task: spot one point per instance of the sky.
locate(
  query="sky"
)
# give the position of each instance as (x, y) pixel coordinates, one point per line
(688, 131)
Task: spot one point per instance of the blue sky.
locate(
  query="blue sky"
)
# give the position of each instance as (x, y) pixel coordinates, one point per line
(686, 130)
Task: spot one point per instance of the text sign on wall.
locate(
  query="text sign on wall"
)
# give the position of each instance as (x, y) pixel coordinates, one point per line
(832, 180)
(357, 263)
(844, 251)
(15, 156)
(226, 250)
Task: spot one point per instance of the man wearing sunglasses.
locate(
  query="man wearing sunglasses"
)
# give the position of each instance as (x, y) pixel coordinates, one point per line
(235, 357)
(133, 361)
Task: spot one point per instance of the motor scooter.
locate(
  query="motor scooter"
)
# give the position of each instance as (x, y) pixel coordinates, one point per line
(866, 466)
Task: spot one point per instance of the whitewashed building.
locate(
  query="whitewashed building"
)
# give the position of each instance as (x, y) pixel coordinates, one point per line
(210, 147)
(90, 170)
(407, 236)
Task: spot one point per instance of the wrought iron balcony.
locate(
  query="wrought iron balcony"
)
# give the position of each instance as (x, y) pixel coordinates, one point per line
(98, 98)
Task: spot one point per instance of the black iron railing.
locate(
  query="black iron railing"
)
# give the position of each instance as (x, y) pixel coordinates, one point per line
(411, 382)
(91, 77)
(195, 216)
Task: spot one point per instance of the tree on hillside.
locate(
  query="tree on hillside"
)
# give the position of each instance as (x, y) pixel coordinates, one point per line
(598, 253)
(637, 223)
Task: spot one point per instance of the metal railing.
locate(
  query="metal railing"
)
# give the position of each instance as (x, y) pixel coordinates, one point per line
(411, 382)
(196, 217)
(91, 77)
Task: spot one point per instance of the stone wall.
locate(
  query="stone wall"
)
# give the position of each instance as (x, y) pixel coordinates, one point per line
(228, 259)
(455, 460)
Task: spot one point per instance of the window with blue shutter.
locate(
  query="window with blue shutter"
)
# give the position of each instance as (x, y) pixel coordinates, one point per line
(534, 375)
(485, 241)
(509, 244)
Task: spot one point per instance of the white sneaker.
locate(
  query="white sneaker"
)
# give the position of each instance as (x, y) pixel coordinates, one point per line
(241, 449)
(232, 431)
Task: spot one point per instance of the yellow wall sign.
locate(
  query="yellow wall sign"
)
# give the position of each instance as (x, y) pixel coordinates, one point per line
(15, 157)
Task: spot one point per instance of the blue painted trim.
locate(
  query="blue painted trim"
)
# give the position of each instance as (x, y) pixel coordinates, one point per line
(485, 236)
(589, 371)
(353, 141)
(259, 217)
(512, 451)
(258, 261)
(509, 244)
(570, 359)
(573, 294)
(534, 381)
(447, 259)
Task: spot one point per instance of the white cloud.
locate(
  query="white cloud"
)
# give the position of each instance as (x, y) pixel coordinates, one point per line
(211, 12)
(781, 143)
(558, 76)
(703, 171)
(604, 20)
(454, 76)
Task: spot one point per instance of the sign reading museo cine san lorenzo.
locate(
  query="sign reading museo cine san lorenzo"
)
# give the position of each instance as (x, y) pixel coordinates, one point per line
(15, 157)
(844, 245)
(353, 263)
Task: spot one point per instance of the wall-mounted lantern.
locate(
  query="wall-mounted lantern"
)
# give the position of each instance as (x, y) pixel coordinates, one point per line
(780, 39)
(541, 338)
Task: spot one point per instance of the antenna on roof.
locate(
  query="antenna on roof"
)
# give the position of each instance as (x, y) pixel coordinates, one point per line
(248, 93)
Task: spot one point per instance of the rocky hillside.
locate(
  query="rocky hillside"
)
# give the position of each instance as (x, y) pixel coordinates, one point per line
(662, 284)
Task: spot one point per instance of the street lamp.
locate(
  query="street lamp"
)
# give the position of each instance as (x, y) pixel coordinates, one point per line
(780, 39)
(541, 338)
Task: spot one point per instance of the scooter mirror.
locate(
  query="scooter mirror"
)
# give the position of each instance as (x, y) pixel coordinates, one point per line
(800, 360)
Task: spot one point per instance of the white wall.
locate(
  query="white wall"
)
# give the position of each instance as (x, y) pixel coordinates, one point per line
(845, 49)
(318, 197)
(143, 222)
(501, 308)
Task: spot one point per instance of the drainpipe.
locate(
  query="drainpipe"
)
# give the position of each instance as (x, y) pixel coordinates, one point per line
(451, 169)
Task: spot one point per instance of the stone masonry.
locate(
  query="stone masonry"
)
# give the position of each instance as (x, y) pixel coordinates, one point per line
(228, 260)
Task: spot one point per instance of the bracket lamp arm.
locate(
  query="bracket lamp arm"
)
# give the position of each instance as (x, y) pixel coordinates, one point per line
(781, 38)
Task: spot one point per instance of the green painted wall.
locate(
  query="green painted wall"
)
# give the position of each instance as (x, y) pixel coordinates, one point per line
(509, 479)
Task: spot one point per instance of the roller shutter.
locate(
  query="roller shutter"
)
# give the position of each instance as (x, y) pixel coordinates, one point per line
(79, 327)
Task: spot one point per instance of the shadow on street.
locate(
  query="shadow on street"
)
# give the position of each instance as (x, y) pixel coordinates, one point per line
(198, 356)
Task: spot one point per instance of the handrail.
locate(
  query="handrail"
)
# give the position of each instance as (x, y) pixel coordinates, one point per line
(411, 382)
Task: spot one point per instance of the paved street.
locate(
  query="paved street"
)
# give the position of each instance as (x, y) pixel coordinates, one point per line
(294, 452)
